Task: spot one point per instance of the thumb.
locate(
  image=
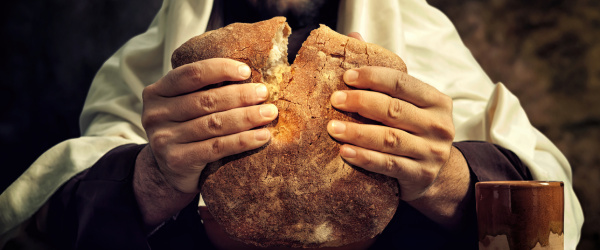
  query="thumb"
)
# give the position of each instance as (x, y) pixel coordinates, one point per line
(356, 35)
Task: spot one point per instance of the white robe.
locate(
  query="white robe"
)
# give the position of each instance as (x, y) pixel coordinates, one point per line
(423, 36)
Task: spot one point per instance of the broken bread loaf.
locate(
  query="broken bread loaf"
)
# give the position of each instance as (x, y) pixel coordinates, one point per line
(296, 191)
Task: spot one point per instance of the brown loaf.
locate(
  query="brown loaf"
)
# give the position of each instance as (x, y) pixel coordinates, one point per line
(248, 43)
(296, 191)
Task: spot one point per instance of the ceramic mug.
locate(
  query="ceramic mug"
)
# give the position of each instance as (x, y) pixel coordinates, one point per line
(520, 214)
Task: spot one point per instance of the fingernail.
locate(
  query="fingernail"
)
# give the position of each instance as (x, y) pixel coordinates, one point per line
(338, 97)
(268, 111)
(262, 134)
(338, 127)
(261, 91)
(347, 152)
(350, 76)
(244, 71)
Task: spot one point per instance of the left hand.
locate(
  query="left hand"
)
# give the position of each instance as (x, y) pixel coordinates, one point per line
(415, 140)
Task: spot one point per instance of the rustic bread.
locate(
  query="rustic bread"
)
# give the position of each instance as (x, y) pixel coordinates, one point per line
(296, 191)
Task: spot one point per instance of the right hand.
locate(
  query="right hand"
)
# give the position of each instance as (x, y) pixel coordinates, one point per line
(188, 128)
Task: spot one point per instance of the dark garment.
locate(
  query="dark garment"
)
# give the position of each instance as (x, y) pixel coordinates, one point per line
(97, 209)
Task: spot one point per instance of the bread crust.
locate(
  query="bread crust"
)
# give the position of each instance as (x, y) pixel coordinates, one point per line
(249, 43)
(297, 191)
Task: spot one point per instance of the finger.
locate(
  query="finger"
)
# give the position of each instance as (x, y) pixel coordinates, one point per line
(356, 35)
(195, 155)
(194, 76)
(186, 161)
(413, 176)
(378, 138)
(399, 167)
(201, 103)
(394, 83)
(224, 123)
(382, 108)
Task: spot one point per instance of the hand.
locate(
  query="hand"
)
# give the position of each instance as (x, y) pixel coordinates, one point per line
(188, 128)
(415, 140)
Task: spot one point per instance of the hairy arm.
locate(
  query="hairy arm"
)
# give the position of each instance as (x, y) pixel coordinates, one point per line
(446, 199)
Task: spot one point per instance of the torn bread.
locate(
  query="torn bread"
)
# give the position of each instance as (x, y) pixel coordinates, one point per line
(296, 191)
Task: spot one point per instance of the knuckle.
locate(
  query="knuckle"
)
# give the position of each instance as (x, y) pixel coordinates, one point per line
(358, 101)
(217, 147)
(214, 123)
(359, 134)
(439, 153)
(442, 129)
(248, 116)
(366, 75)
(194, 71)
(159, 140)
(358, 98)
(228, 69)
(400, 82)
(392, 166)
(394, 108)
(445, 102)
(428, 176)
(368, 161)
(450, 133)
(247, 95)
(148, 92)
(152, 117)
(243, 142)
(174, 160)
(392, 139)
(207, 102)
(148, 119)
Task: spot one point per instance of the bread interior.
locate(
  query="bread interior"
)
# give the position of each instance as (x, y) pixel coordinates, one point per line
(277, 63)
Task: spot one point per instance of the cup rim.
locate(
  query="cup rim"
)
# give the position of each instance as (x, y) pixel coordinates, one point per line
(519, 184)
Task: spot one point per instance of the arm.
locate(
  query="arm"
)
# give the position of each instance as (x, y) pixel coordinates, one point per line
(97, 210)
(411, 228)
(139, 189)
(446, 200)
(450, 198)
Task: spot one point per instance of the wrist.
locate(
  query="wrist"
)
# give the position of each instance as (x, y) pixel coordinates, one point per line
(444, 201)
(156, 198)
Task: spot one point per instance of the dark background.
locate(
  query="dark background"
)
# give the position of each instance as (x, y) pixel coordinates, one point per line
(546, 51)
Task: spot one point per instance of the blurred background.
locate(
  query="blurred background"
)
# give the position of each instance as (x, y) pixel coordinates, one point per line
(547, 52)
